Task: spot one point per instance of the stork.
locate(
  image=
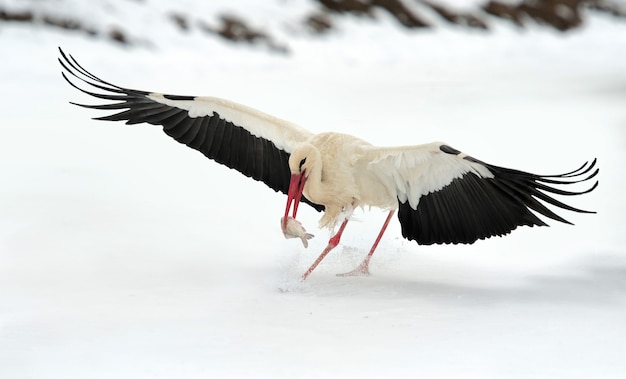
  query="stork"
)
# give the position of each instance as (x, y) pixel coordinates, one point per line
(441, 195)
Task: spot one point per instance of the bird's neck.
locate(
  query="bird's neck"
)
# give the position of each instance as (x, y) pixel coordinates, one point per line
(314, 181)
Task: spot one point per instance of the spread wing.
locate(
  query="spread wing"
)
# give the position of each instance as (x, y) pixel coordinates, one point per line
(254, 143)
(446, 196)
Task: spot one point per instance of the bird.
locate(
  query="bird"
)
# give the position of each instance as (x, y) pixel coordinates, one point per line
(440, 194)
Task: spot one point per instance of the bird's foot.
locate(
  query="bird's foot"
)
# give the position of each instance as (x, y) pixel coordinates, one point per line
(361, 270)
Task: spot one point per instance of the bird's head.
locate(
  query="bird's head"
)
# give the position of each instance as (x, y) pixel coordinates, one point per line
(301, 161)
(302, 158)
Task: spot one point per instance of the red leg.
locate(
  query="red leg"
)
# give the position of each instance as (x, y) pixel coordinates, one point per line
(363, 268)
(334, 241)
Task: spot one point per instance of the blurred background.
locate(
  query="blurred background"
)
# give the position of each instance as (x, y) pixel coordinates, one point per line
(125, 254)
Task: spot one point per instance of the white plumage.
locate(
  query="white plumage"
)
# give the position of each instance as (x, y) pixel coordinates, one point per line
(441, 194)
(284, 134)
(420, 170)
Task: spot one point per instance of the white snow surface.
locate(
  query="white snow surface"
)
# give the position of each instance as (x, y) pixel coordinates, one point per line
(124, 254)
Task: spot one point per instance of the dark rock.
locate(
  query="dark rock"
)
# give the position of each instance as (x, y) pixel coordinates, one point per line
(119, 36)
(348, 6)
(318, 23)
(236, 30)
(180, 21)
(25, 16)
(396, 8)
(63, 23)
(562, 15)
(404, 15)
(462, 19)
(505, 11)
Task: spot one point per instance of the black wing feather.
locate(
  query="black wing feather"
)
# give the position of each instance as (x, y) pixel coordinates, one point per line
(218, 139)
(472, 207)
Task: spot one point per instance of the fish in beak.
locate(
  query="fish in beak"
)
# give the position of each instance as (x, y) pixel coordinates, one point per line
(296, 186)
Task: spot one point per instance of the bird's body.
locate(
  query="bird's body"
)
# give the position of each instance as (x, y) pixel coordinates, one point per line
(340, 188)
(441, 195)
(366, 175)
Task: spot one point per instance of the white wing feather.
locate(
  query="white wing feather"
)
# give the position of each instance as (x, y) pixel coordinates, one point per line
(419, 170)
(284, 134)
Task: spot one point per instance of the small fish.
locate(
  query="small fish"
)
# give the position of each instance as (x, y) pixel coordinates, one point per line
(294, 229)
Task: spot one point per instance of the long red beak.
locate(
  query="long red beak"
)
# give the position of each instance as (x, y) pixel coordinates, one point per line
(296, 186)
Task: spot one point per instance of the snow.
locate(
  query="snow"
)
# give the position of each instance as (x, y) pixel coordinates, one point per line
(124, 254)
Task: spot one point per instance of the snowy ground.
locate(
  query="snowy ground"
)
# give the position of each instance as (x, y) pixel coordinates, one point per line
(126, 255)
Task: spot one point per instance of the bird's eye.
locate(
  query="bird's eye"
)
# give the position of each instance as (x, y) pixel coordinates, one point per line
(301, 163)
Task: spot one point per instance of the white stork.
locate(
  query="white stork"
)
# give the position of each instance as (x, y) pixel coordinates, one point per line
(441, 194)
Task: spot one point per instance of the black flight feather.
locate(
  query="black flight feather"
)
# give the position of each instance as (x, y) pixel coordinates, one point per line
(472, 207)
(218, 139)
